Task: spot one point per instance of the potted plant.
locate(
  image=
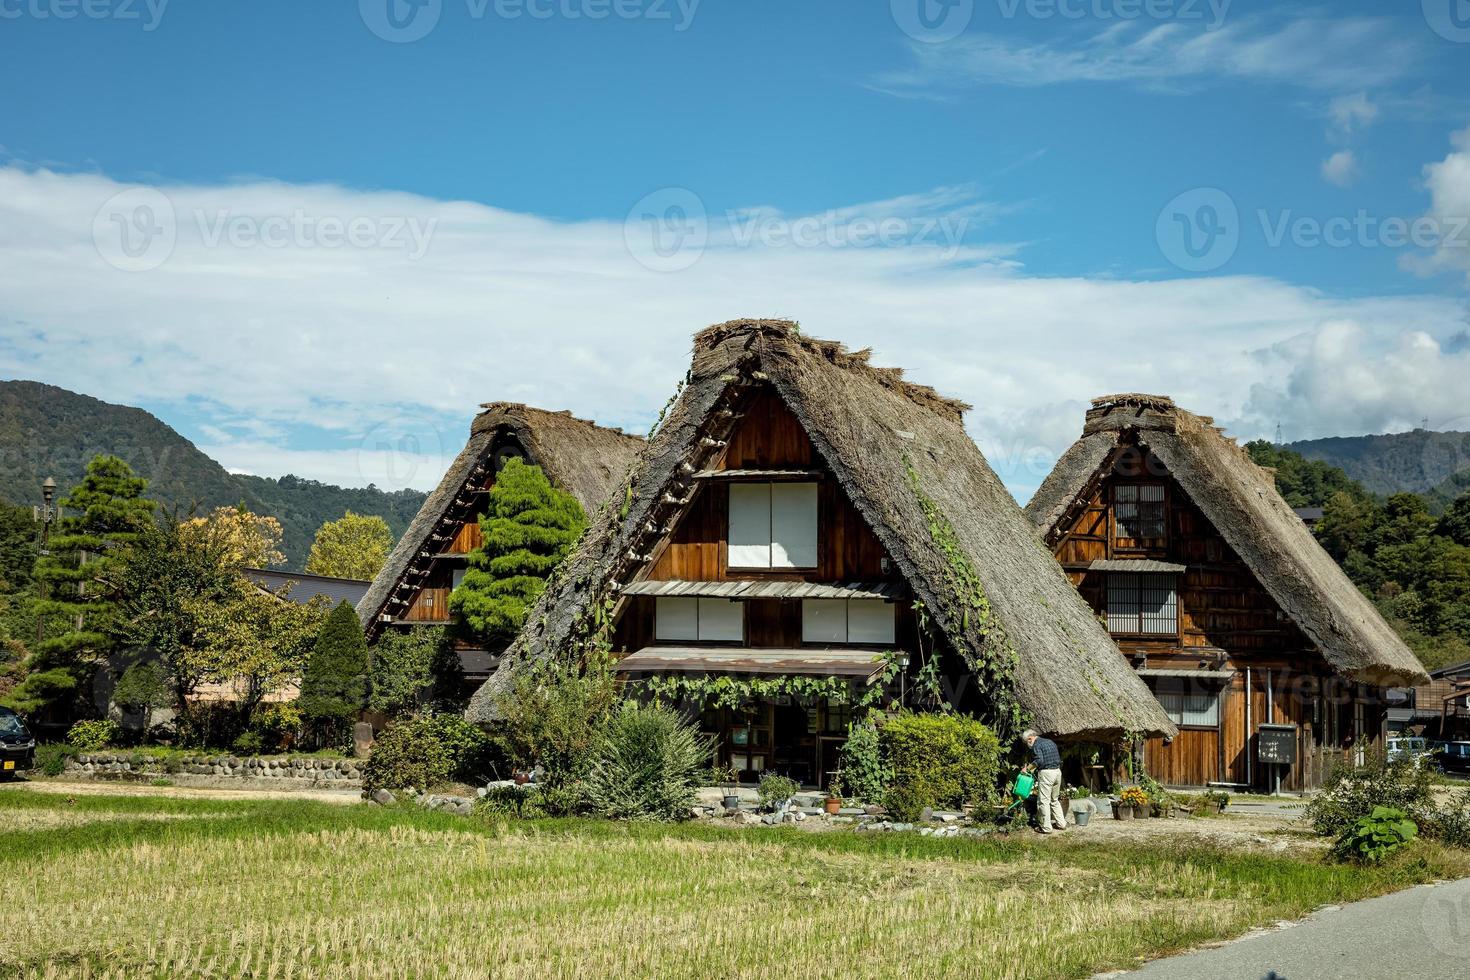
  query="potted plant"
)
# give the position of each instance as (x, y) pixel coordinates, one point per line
(1133, 801)
(1217, 798)
(833, 802)
(726, 776)
(776, 792)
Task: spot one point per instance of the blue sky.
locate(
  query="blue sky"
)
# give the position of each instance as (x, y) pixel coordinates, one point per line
(1040, 161)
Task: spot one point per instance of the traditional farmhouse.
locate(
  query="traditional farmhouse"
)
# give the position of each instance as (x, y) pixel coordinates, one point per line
(413, 587)
(801, 515)
(1254, 641)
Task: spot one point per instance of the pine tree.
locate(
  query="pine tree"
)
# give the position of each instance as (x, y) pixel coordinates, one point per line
(77, 581)
(529, 528)
(334, 684)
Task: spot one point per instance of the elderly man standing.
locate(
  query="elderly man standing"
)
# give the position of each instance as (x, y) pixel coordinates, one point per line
(1046, 758)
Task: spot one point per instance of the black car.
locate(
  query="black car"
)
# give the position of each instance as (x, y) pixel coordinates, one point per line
(1453, 756)
(17, 745)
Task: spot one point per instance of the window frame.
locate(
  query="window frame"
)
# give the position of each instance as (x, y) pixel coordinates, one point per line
(1143, 579)
(1215, 693)
(1140, 542)
(699, 602)
(771, 525)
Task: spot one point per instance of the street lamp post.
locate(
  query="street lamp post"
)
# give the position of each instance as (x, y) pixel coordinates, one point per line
(46, 516)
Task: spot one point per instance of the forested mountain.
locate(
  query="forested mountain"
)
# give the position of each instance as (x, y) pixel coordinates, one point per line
(49, 431)
(1435, 465)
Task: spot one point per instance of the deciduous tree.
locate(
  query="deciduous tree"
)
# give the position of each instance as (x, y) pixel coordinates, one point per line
(354, 546)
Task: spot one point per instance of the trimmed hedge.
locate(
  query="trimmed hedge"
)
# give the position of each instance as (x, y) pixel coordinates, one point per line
(423, 752)
(938, 760)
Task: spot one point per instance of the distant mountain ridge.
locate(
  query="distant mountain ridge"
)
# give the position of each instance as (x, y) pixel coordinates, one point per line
(1434, 464)
(50, 431)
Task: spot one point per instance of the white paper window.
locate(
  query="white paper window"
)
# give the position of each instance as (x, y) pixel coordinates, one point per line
(710, 620)
(676, 619)
(824, 621)
(869, 621)
(847, 621)
(750, 525)
(793, 525)
(773, 525)
(721, 619)
(1197, 708)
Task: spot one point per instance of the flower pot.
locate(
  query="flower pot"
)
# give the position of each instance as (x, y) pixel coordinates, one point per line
(1121, 812)
(832, 804)
(521, 778)
(731, 801)
(1080, 818)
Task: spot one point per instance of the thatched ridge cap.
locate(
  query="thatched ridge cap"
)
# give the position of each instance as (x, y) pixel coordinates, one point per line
(519, 413)
(788, 333)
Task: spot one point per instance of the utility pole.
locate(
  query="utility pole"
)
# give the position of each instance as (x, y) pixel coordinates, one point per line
(46, 516)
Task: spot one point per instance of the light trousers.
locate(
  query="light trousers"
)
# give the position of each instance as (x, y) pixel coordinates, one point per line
(1049, 811)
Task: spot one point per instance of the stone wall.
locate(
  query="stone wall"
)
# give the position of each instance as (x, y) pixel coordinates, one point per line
(297, 771)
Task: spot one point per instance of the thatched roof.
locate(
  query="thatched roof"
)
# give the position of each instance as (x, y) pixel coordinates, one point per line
(887, 441)
(584, 459)
(1241, 500)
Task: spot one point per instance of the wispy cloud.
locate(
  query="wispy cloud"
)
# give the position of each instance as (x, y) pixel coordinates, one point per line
(360, 364)
(1337, 53)
(1341, 168)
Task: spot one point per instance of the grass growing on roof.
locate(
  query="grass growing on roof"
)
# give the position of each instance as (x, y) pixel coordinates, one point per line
(153, 887)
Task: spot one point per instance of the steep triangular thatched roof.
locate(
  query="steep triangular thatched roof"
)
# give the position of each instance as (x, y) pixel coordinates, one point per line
(1241, 500)
(584, 459)
(901, 454)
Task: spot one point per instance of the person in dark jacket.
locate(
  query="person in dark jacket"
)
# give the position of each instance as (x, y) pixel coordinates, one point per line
(1046, 759)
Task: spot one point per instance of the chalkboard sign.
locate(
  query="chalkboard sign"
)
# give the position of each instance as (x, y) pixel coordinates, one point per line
(1276, 744)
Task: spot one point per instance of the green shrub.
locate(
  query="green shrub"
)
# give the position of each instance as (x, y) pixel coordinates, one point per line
(552, 717)
(1373, 837)
(1351, 792)
(421, 752)
(89, 736)
(775, 790)
(51, 758)
(865, 776)
(407, 754)
(646, 765)
(938, 760)
(248, 743)
(1451, 823)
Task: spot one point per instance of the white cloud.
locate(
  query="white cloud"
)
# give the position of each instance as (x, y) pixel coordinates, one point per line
(1448, 183)
(1341, 168)
(384, 359)
(1351, 113)
(1314, 53)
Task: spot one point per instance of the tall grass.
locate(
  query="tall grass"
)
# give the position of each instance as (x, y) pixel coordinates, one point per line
(133, 887)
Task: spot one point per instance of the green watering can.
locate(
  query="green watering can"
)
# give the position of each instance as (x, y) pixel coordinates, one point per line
(1025, 783)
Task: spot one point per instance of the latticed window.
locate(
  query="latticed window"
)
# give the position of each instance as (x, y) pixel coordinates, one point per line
(1142, 603)
(1138, 509)
(1191, 709)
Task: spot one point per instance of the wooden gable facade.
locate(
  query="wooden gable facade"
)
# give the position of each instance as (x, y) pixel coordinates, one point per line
(842, 610)
(1265, 657)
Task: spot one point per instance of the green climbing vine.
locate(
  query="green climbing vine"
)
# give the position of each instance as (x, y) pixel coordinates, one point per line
(729, 691)
(993, 660)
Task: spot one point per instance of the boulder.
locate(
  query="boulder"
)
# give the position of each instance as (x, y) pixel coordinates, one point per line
(381, 797)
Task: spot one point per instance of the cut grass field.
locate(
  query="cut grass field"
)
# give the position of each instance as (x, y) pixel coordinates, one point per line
(133, 886)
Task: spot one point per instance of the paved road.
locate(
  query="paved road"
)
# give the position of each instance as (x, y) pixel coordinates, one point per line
(1423, 932)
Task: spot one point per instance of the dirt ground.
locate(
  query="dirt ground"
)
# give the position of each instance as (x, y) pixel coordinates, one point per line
(92, 787)
(1265, 831)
